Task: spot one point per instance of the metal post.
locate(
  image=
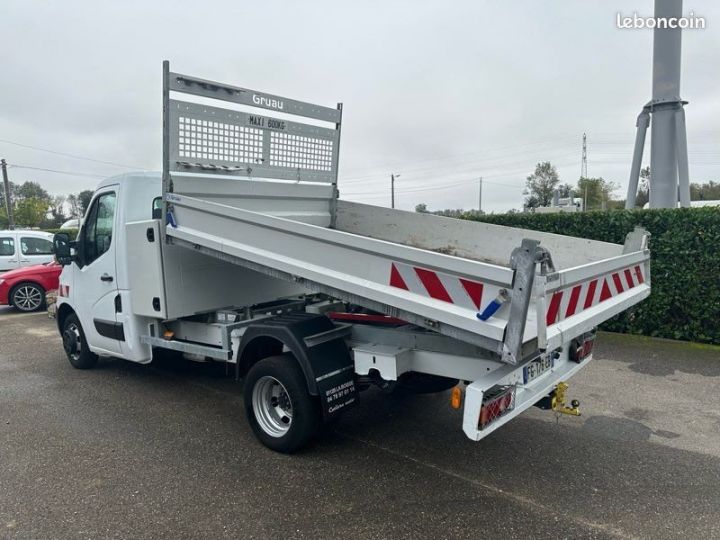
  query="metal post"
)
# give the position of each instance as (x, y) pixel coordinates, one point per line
(336, 161)
(682, 158)
(8, 199)
(480, 196)
(166, 180)
(665, 102)
(392, 191)
(642, 123)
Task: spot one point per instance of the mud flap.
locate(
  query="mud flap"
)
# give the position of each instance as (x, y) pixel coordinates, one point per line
(321, 352)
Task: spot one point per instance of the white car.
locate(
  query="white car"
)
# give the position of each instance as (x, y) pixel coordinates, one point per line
(20, 248)
(71, 224)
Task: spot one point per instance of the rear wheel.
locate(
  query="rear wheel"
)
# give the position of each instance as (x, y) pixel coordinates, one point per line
(76, 349)
(28, 297)
(281, 411)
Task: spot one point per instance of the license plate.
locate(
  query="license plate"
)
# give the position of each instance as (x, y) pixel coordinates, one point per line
(536, 368)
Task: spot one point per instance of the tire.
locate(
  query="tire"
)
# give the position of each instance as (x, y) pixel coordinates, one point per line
(282, 413)
(28, 297)
(75, 345)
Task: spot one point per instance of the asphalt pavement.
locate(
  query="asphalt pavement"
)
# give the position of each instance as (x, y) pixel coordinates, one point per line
(163, 451)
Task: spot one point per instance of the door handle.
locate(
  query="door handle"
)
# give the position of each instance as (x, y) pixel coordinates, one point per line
(106, 277)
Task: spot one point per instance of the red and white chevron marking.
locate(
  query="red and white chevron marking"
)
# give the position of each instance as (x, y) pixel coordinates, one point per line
(448, 288)
(571, 301)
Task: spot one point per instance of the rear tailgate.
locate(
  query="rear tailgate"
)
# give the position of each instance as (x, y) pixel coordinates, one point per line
(574, 301)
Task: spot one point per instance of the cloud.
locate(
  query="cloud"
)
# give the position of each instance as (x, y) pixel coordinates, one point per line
(440, 92)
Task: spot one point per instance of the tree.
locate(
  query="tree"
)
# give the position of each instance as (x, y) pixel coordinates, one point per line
(31, 190)
(57, 211)
(421, 208)
(541, 185)
(3, 209)
(565, 190)
(84, 198)
(30, 204)
(596, 192)
(74, 205)
(30, 212)
(705, 192)
(643, 194)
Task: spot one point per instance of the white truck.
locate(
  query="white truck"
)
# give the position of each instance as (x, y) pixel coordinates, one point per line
(242, 252)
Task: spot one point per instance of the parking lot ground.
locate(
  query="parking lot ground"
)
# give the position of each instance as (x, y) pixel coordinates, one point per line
(163, 451)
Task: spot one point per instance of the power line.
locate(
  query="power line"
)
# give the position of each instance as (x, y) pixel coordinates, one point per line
(73, 156)
(485, 162)
(397, 164)
(71, 173)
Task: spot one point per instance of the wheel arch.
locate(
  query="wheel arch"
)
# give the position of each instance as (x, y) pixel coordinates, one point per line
(252, 350)
(63, 312)
(326, 364)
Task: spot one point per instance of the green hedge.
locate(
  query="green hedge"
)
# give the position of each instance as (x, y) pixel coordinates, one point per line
(685, 265)
(71, 232)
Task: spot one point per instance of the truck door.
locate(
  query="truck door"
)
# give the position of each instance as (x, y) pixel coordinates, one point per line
(96, 280)
(8, 252)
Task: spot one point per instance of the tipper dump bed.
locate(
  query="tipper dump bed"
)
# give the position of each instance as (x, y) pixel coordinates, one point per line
(261, 191)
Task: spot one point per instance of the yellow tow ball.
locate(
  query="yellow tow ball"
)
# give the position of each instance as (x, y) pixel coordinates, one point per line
(558, 401)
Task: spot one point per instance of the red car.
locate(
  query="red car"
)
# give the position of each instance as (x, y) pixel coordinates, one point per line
(25, 288)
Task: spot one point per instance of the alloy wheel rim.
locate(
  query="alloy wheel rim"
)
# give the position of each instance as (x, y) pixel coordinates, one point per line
(27, 298)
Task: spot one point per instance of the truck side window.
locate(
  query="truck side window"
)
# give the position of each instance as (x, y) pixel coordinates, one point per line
(7, 246)
(157, 208)
(98, 227)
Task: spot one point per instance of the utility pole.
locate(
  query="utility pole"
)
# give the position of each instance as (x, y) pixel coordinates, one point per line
(480, 196)
(583, 167)
(8, 202)
(392, 189)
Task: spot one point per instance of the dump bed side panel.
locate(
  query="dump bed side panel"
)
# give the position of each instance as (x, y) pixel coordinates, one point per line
(576, 300)
(434, 290)
(464, 238)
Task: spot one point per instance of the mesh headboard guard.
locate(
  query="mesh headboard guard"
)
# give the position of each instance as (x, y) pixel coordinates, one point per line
(214, 140)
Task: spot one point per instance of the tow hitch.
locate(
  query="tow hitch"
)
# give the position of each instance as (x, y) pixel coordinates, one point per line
(558, 404)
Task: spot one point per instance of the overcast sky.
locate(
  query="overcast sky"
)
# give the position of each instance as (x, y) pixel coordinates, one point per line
(439, 92)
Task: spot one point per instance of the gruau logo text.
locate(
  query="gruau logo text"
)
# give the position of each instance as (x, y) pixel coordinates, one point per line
(268, 102)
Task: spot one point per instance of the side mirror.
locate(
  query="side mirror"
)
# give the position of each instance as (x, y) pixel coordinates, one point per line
(63, 248)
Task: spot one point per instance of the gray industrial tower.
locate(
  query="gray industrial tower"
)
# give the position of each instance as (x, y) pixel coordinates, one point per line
(670, 178)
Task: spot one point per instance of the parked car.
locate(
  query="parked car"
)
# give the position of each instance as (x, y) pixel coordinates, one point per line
(20, 248)
(25, 288)
(71, 224)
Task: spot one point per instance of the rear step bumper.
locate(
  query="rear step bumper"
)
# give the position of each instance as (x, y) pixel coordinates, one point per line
(525, 395)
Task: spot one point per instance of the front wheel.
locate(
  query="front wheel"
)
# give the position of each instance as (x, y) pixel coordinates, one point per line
(28, 297)
(75, 345)
(281, 411)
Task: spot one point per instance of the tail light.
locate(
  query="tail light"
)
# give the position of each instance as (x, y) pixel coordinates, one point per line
(497, 401)
(582, 347)
(456, 397)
